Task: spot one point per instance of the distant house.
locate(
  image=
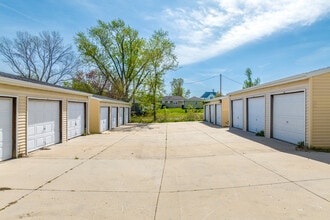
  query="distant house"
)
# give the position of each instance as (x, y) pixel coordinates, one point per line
(208, 95)
(173, 101)
(193, 102)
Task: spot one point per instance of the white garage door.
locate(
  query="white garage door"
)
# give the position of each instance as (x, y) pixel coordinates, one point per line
(126, 115)
(256, 114)
(76, 119)
(238, 114)
(121, 116)
(212, 107)
(114, 117)
(43, 124)
(289, 117)
(104, 119)
(6, 123)
(207, 113)
(218, 109)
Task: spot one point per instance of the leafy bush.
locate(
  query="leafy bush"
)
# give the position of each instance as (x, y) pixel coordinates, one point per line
(260, 133)
(171, 115)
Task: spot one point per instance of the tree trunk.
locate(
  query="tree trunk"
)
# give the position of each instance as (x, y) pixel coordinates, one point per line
(154, 104)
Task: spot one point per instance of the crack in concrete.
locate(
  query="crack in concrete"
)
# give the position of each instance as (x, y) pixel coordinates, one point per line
(276, 173)
(163, 172)
(170, 191)
(191, 157)
(56, 177)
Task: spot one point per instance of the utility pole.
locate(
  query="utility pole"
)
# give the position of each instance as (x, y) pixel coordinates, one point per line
(220, 84)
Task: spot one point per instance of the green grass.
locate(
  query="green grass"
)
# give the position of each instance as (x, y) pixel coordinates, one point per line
(171, 115)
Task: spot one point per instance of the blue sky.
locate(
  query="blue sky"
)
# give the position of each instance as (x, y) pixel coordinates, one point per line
(275, 39)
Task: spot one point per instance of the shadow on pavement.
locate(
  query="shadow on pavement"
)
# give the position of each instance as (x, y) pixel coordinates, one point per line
(282, 146)
(277, 144)
(132, 127)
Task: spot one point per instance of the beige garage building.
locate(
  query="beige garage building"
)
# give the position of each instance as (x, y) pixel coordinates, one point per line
(294, 109)
(216, 111)
(107, 113)
(35, 115)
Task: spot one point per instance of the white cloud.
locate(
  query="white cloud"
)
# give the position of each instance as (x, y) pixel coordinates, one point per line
(214, 27)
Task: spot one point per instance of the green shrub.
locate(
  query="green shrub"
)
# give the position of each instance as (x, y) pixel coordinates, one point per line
(260, 133)
(170, 115)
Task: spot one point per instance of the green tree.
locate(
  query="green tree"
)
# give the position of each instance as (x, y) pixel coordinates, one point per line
(162, 60)
(249, 82)
(121, 56)
(218, 94)
(177, 88)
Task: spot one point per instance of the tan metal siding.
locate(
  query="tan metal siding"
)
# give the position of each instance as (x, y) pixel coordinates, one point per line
(268, 111)
(21, 125)
(94, 119)
(225, 112)
(64, 121)
(95, 111)
(23, 93)
(302, 85)
(320, 111)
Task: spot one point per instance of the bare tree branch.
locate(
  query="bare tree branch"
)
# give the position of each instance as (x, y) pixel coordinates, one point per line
(43, 57)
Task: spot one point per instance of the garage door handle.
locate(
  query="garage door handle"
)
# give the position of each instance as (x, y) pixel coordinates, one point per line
(287, 122)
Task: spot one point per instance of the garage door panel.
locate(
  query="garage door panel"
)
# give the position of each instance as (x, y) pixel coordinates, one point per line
(49, 139)
(121, 116)
(71, 133)
(114, 117)
(40, 142)
(207, 113)
(104, 119)
(49, 127)
(289, 117)
(219, 115)
(43, 123)
(126, 115)
(212, 113)
(76, 119)
(238, 114)
(6, 143)
(256, 114)
(39, 129)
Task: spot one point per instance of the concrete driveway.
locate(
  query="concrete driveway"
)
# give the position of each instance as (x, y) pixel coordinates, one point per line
(167, 171)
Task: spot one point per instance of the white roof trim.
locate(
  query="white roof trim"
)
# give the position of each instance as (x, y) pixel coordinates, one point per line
(111, 101)
(294, 78)
(216, 99)
(16, 82)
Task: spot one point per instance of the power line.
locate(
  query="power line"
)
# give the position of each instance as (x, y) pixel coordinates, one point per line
(232, 80)
(202, 80)
(213, 78)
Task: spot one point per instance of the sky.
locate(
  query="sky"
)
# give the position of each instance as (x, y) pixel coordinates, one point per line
(274, 38)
